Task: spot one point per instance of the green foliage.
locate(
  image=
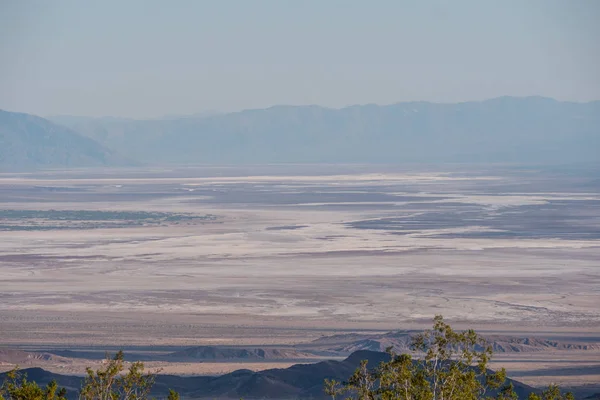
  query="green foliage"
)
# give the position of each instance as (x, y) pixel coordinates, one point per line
(553, 392)
(452, 366)
(173, 395)
(17, 387)
(507, 393)
(110, 383)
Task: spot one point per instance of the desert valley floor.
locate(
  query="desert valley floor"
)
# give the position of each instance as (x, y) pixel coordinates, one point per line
(155, 260)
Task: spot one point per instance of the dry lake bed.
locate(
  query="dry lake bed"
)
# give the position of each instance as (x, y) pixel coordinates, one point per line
(285, 254)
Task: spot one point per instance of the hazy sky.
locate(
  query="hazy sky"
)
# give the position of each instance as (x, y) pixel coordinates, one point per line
(142, 58)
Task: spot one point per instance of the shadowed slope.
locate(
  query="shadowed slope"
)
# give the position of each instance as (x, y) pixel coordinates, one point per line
(30, 142)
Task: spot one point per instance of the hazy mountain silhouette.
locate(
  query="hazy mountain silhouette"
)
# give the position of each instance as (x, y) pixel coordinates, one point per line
(506, 129)
(30, 142)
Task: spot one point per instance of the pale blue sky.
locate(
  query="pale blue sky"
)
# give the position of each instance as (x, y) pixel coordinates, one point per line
(147, 58)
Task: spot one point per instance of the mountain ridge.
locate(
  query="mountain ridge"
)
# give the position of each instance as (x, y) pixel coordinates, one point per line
(504, 129)
(206, 114)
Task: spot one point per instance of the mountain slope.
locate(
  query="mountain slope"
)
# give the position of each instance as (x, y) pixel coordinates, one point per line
(507, 129)
(296, 382)
(30, 142)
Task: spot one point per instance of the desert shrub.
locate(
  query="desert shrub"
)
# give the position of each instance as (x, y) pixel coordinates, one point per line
(110, 382)
(449, 365)
(17, 387)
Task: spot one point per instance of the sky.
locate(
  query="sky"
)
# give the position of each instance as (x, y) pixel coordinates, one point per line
(146, 58)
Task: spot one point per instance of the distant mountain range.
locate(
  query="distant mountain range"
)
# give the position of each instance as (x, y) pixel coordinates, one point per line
(400, 342)
(326, 347)
(300, 381)
(30, 142)
(506, 129)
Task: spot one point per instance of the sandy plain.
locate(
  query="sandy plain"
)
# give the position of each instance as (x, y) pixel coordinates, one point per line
(296, 252)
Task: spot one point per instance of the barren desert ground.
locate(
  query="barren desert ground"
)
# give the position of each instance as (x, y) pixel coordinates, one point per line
(285, 254)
